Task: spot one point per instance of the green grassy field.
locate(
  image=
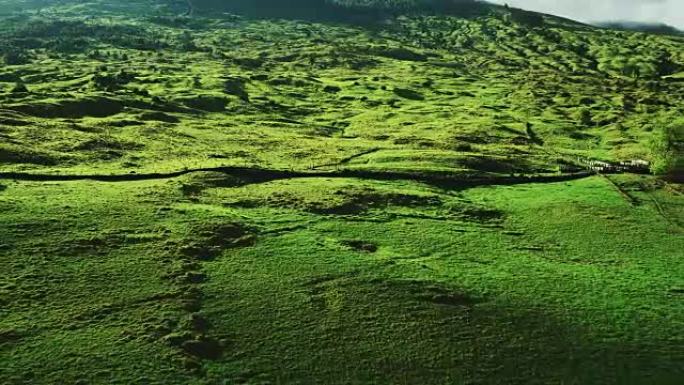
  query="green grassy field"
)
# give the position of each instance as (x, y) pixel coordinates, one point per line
(224, 200)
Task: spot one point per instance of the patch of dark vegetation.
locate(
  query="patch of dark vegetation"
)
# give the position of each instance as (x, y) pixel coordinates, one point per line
(191, 298)
(526, 18)
(532, 135)
(443, 297)
(199, 346)
(529, 248)
(399, 53)
(193, 277)
(259, 77)
(203, 347)
(105, 144)
(411, 292)
(330, 278)
(679, 291)
(356, 201)
(509, 130)
(192, 190)
(13, 122)
(520, 141)
(103, 242)
(332, 89)
(579, 135)
(361, 246)
(198, 182)
(481, 163)
(99, 107)
(112, 82)
(249, 63)
(13, 53)
(237, 87)
(158, 104)
(99, 244)
(479, 138)
(430, 292)
(205, 103)
(15, 155)
(19, 88)
(474, 213)
(10, 336)
(347, 208)
(408, 94)
(77, 36)
(10, 77)
(157, 116)
(208, 241)
(177, 339)
(290, 81)
(125, 123)
(176, 21)
(228, 235)
(12, 119)
(196, 322)
(191, 334)
(509, 165)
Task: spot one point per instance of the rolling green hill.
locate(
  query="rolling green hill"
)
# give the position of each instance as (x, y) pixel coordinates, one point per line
(337, 192)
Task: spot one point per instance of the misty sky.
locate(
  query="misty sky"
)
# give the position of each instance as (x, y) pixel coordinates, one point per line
(659, 11)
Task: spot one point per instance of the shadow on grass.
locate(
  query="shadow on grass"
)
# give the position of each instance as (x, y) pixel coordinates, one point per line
(359, 330)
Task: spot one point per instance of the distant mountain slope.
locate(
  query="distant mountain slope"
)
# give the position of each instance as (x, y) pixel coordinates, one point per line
(343, 9)
(661, 29)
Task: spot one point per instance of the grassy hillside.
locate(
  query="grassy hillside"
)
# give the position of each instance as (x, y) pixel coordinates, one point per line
(122, 93)
(363, 193)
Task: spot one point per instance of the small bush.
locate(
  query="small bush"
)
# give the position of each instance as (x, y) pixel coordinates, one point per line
(584, 117)
(666, 150)
(14, 56)
(112, 82)
(19, 88)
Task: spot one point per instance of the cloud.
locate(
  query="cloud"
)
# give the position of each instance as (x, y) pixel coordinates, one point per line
(651, 11)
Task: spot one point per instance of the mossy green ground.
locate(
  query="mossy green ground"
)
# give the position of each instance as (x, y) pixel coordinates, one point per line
(539, 283)
(212, 279)
(114, 92)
